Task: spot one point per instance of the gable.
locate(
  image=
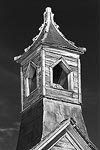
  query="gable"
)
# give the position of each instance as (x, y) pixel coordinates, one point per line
(50, 140)
(66, 136)
(63, 144)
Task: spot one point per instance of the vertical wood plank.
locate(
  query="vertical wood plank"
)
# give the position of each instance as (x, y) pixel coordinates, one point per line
(43, 70)
(21, 77)
(79, 78)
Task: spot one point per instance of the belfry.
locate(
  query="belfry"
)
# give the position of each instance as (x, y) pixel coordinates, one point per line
(51, 113)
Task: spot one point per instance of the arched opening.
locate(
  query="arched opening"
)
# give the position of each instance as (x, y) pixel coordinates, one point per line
(60, 75)
(30, 80)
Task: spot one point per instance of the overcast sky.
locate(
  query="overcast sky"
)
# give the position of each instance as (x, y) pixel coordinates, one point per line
(19, 23)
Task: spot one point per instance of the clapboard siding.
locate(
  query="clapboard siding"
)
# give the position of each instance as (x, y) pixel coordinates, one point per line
(61, 52)
(33, 97)
(50, 59)
(61, 95)
(76, 82)
(36, 59)
(70, 62)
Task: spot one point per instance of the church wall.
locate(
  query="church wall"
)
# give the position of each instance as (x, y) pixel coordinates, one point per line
(50, 59)
(54, 112)
(36, 59)
(31, 127)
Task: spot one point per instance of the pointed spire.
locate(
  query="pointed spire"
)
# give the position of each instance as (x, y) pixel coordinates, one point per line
(48, 17)
(50, 34)
(47, 14)
(48, 9)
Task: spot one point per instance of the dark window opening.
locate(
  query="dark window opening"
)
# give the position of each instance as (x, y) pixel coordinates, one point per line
(60, 75)
(32, 79)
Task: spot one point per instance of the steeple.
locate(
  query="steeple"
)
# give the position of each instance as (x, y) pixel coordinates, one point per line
(48, 18)
(50, 35)
(51, 116)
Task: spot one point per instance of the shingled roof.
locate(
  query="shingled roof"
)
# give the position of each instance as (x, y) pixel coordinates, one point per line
(50, 35)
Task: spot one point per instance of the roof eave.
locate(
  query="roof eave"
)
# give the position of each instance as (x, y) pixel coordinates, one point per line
(38, 40)
(77, 51)
(20, 58)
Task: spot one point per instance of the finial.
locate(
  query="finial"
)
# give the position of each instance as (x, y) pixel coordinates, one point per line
(48, 9)
(48, 17)
(47, 14)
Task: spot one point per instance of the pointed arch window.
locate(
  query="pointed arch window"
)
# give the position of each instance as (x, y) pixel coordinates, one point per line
(30, 79)
(62, 76)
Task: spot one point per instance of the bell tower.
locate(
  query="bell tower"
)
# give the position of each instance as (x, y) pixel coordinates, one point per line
(51, 92)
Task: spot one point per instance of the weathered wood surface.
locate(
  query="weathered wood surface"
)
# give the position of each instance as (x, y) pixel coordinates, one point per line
(31, 127)
(57, 111)
(44, 60)
(34, 96)
(36, 59)
(50, 59)
(61, 94)
(53, 57)
(63, 144)
(61, 52)
(30, 56)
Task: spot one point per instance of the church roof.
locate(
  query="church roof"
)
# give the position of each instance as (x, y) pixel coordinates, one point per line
(72, 132)
(50, 35)
(54, 36)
